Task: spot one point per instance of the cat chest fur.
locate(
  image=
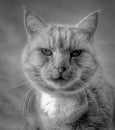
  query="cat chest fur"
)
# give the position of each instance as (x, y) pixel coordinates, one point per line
(58, 111)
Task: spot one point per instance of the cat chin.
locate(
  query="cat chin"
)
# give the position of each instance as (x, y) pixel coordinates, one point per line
(59, 84)
(66, 89)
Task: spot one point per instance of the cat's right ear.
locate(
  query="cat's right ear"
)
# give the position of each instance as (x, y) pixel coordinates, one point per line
(33, 23)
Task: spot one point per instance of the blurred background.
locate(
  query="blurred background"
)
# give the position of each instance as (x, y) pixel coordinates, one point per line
(13, 35)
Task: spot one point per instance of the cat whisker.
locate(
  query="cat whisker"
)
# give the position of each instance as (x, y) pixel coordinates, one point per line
(16, 85)
(24, 100)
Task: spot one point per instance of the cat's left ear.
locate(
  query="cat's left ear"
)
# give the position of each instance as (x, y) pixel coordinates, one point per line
(89, 24)
(33, 23)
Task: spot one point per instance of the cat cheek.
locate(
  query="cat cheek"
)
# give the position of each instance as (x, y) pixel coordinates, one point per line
(77, 74)
(38, 60)
(85, 61)
(76, 62)
(89, 63)
(47, 72)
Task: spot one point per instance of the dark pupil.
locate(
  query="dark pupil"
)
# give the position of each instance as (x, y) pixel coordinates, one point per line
(46, 52)
(75, 53)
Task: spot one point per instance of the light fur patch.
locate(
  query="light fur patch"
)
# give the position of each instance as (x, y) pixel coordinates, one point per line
(48, 104)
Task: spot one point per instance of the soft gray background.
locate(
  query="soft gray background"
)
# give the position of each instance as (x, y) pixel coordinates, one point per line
(13, 36)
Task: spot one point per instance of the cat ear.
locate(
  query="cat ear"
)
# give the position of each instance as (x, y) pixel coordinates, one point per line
(89, 24)
(33, 23)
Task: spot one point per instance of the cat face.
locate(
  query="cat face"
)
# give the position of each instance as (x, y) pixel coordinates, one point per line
(60, 57)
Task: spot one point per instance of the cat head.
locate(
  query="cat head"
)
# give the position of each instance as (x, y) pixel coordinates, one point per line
(59, 57)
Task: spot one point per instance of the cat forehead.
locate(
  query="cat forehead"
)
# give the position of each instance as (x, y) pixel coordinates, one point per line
(61, 36)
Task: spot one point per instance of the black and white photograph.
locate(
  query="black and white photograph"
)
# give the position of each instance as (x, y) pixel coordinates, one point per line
(57, 65)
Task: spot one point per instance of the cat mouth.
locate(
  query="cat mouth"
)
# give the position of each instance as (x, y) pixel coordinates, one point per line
(59, 80)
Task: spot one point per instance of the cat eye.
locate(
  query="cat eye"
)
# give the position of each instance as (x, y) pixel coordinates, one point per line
(76, 53)
(46, 52)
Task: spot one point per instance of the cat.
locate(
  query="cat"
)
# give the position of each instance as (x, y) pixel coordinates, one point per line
(61, 64)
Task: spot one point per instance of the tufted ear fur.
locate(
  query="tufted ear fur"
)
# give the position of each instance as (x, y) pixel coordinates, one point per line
(88, 25)
(33, 23)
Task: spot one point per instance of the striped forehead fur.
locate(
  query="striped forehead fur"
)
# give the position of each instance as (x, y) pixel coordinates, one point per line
(61, 36)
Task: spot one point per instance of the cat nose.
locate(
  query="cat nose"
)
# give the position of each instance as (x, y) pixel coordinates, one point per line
(62, 69)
